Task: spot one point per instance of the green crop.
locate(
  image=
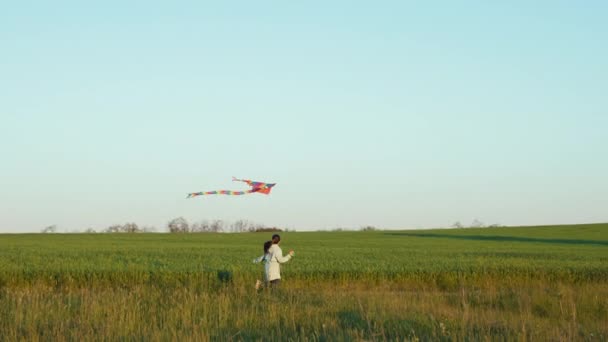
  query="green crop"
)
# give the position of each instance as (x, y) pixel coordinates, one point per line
(505, 283)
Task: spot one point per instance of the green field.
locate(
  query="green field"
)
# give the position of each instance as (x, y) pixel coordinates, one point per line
(525, 283)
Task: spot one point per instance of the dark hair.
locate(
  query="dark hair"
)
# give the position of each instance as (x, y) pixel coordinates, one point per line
(276, 238)
(267, 245)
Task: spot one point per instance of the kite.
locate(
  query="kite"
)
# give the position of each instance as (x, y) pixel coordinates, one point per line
(259, 187)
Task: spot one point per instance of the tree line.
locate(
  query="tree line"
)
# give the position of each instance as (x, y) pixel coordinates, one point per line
(181, 225)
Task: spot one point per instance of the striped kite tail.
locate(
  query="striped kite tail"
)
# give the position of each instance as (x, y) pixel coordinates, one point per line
(220, 192)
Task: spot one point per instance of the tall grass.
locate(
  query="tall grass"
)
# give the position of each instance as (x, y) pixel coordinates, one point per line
(547, 283)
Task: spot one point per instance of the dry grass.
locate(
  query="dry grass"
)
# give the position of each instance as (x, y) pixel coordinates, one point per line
(306, 310)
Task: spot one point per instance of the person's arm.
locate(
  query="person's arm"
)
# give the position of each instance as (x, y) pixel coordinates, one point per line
(259, 259)
(280, 258)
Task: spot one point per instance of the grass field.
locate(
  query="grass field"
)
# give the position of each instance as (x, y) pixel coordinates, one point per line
(528, 283)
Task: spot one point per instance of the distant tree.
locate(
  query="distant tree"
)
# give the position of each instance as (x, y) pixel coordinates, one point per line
(457, 224)
(217, 226)
(90, 231)
(205, 226)
(116, 228)
(268, 229)
(178, 225)
(131, 228)
(476, 224)
(200, 227)
(368, 228)
(49, 229)
(240, 226)
(255, 227)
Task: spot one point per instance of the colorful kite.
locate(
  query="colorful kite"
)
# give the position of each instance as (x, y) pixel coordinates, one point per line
(259, 187)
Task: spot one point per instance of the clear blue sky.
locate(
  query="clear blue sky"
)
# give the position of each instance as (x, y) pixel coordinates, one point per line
(395, 114)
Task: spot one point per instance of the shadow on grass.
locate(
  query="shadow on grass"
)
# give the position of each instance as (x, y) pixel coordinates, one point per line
(505, 238)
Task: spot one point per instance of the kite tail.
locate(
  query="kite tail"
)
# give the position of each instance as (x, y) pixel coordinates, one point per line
(249, 182)
(220, 192)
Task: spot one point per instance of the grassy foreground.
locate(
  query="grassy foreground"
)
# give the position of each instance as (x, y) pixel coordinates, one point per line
(529, 283)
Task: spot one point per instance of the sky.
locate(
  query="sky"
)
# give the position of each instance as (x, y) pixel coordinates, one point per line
(392, 114)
